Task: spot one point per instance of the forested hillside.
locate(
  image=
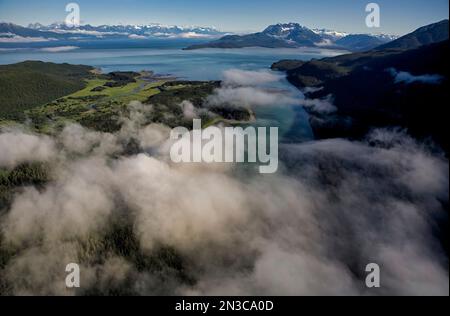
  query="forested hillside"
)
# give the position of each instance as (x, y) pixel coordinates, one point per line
(29, 84)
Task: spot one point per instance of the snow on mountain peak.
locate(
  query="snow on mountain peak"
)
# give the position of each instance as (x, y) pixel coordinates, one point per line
(151, 29)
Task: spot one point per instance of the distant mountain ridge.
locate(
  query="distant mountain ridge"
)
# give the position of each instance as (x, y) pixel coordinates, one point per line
(152, 29)
(360, 42)
(281, 35)
(294, 35)
(433, 33)
(10, 32)
(330, 34)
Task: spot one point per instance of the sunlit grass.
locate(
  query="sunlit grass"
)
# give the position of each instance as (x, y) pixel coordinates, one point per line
(92, 108)
(136, 91)
(91, 84)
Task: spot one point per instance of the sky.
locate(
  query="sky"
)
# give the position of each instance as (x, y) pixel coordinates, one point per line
(397, 17)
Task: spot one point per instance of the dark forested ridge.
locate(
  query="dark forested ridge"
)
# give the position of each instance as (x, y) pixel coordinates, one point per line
(426, 35)
(32, 83)
(382, 87)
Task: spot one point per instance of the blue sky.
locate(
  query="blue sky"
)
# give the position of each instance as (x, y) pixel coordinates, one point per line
(398, 17)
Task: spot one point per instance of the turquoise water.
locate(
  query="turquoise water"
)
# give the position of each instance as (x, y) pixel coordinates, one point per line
(208, 64)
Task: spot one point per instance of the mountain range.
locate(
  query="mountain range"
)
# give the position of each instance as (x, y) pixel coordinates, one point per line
(289, 35)
(59, 31)
(294, 35)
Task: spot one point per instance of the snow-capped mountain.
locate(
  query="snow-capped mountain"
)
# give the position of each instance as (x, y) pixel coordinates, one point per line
(330, 34)
(298, 34)
(292, 35)
(293, 32)
(336, 35)
(132, 31)
(387, 37)
(286, 35)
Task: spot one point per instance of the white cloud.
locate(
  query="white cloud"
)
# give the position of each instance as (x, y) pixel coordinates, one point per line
(189, 110)
(195, 35)
(17, 147)
(21, 39)
(59, 49)
(323, 106)
(250, 97)
(135, 36)
(406, 77)
(332, 208)
(249, 78)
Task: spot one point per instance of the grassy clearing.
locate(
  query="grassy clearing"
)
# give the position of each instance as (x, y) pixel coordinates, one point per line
(139, 90)
(98, 110)
(87, 91)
